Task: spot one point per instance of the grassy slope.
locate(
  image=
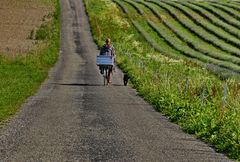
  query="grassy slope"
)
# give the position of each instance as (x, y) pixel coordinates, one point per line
(185, 92)
(20, 77)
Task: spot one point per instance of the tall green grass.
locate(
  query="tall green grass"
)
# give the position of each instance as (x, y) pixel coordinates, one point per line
(21, 76)
(187, 93)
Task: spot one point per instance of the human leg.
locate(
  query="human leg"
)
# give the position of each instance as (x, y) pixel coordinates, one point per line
(109, 76)
(101, 68)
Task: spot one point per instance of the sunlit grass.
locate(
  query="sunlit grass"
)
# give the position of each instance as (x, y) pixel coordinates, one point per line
(186, 92)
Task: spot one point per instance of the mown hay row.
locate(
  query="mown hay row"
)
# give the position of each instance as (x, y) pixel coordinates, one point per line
(214, 19)
(194, 42)
(221, 14)
(197, 30)
(230, 11)
(211, 28)
(220, 59)
(119, 3)
(140, 11)
(187, 51)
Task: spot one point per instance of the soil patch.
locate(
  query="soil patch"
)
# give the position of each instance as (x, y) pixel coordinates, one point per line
(17, 19)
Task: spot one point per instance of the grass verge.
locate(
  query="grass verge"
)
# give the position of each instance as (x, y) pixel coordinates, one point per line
(187, 93)
(20, 77)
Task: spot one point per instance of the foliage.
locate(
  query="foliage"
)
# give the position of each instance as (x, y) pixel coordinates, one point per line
(42, 33)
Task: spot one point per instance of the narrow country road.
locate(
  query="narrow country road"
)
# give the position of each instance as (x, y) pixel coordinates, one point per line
(73, 117)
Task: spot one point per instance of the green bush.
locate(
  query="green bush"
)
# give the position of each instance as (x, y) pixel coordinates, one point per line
(42, 33)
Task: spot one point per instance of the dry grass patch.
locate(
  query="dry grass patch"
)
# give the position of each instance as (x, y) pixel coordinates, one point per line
(17, 19)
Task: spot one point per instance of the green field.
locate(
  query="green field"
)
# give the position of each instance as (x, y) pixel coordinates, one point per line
(21, 76)
(191, 29)
(183, 57)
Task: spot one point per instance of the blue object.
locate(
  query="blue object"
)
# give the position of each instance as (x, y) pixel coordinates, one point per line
(105, 60)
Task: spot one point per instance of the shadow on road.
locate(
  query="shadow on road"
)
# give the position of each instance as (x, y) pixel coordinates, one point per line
(86, 84)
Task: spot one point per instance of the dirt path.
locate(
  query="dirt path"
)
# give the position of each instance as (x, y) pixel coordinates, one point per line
(74, 118)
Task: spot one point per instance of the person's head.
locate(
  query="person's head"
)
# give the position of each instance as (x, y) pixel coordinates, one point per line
(108, 41)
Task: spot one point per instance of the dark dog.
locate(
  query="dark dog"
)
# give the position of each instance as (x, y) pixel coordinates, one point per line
(125, 79)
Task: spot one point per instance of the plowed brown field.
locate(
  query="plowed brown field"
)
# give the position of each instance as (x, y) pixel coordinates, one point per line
(17, 19)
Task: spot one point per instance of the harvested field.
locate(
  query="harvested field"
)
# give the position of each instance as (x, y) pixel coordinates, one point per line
(17, 19)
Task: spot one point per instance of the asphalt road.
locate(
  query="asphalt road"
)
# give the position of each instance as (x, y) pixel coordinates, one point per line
(73, 117)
